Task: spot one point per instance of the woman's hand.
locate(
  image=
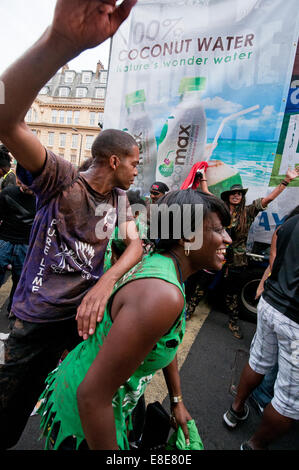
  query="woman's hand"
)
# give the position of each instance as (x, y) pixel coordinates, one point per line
(179, 417)
(291, 174)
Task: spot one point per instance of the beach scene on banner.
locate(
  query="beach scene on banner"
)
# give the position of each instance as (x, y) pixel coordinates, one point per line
(202, 86)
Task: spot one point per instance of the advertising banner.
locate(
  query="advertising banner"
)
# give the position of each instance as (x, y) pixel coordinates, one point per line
(206, 80)
(287, 156)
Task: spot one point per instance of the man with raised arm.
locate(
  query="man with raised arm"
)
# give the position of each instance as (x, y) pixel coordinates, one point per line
(63, 276)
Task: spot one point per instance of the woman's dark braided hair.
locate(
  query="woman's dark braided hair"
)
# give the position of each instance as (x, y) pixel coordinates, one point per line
(241, 216)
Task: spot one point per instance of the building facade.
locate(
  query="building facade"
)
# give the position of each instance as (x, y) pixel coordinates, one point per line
(68, 112)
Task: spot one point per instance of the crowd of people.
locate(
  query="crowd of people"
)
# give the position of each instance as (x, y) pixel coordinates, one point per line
(83, 276)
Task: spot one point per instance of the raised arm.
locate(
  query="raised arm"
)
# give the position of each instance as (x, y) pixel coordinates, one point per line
(203, 183)
(290, 176)
(77, 25)
(204, 186)
(140, 319)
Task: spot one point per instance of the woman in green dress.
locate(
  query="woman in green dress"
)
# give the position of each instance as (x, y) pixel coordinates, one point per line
(91, 395)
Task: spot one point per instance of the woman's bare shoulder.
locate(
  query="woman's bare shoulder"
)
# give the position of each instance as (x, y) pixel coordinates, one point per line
(148, 295)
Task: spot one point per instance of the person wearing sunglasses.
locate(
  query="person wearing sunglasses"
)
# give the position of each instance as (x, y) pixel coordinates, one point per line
(157, 191)
(242, 216)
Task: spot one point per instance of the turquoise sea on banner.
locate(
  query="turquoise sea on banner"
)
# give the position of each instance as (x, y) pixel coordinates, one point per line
(252, 159)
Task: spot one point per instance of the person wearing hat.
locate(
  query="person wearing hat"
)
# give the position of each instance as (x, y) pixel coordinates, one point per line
(157, 191)
(242, 216)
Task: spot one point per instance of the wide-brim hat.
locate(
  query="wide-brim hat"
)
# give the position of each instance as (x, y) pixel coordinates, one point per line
(233, 188)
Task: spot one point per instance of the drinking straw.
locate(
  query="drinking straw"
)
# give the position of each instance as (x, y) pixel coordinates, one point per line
(229, 118)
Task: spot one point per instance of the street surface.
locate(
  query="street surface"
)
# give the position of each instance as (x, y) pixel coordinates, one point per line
(211, 360)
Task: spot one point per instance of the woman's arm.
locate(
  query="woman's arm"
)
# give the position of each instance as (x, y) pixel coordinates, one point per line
(290, 176)
(180, 414)
(139, 321)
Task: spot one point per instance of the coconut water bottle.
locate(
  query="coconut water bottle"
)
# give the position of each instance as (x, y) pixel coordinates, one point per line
(183, 137)
(140, 126)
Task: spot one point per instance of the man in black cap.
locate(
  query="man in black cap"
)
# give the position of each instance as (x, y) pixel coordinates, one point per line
(157, 191)
(242, 217)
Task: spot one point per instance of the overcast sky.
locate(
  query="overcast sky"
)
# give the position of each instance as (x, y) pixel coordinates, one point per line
(23, 21)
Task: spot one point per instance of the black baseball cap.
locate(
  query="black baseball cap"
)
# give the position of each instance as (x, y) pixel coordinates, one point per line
(159, 187)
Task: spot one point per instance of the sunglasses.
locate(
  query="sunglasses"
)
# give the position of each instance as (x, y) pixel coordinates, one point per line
(155, 193)
(236, 192)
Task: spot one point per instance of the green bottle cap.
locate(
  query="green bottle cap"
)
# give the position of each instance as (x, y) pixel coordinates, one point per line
(192, 84)
(135, 98)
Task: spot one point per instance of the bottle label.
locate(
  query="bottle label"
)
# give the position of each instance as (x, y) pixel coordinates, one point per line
(180, 153)
(167, 167)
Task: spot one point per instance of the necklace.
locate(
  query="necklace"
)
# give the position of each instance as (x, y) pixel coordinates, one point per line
(178, 265)
(181, 277)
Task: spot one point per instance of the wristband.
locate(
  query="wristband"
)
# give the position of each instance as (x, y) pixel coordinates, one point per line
(177, 399)
(284, 182)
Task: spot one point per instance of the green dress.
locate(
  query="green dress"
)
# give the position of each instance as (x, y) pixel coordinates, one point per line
(60, 408)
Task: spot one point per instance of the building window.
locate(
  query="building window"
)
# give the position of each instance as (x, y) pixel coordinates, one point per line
(69, 76)
(100, 93)
(92, 118)
(34, 131)
(54, 116)
(44, 91)
(76, 117)
(62, 139)
(81, 92)
(61, 117)
(103, 77)
(31, 116)
(101, 117)
(28, 117)
(86, 77)
(64, 92)
(69, 117)
(50, 139)
(89, 141)
(61, 155)
(75, 141)
(74, 159)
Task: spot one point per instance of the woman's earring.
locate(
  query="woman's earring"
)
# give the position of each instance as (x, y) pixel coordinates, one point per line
(187, 250)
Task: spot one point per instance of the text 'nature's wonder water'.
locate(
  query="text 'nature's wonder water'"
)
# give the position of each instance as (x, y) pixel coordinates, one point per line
(183, 137)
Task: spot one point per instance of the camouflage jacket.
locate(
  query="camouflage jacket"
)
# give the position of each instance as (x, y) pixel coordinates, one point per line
(236, 255)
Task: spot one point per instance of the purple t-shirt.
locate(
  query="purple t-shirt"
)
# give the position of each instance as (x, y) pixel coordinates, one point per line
(67, 244)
